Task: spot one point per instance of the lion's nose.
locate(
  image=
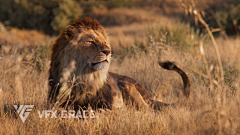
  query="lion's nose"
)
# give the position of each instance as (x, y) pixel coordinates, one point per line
(106, 52)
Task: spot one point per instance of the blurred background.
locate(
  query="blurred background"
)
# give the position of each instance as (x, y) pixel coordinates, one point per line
(125, 20)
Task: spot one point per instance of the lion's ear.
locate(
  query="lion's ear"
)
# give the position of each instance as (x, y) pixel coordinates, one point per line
(69, 32)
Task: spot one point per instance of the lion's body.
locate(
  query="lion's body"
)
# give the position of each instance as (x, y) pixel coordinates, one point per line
(79, 74)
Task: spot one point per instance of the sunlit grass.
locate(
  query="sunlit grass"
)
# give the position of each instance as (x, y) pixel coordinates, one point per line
(23, 83)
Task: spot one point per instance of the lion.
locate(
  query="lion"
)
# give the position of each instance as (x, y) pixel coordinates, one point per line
(79, 76)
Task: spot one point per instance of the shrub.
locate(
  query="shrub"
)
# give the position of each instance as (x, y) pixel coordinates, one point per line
(67, 12)
(179, 35)
(44, 15)
(229, 18)
(122, 3)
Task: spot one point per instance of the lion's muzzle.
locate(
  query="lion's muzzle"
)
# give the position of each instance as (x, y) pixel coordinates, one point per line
(100, 66)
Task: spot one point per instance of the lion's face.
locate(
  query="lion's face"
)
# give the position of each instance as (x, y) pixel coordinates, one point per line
(90, 49)
(95, 50)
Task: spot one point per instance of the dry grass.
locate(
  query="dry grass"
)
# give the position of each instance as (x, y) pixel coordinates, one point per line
(205, 113)
(23, 38)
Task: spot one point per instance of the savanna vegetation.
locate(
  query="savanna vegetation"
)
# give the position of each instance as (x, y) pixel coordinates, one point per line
(140, 38)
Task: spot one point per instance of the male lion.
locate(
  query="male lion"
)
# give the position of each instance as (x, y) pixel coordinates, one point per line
(79, 75)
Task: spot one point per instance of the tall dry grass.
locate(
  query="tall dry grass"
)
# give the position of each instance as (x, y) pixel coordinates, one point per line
(24, 74)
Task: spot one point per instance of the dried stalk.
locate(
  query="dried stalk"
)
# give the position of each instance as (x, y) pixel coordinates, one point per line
(1, 97)
(19, 89)
(199, 18)
(197, 14)
(206, 65)
(202, 74)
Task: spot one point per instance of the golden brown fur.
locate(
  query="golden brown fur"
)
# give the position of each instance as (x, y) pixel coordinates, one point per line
(79, 75)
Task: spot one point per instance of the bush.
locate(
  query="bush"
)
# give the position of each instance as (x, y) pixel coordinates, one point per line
(122, 3)
(49, 16)
(67, 11)
(179, 35)
(229, 18)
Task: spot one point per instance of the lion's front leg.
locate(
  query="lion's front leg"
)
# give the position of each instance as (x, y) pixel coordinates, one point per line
(112, 95)
(130, 92)
(117, 100)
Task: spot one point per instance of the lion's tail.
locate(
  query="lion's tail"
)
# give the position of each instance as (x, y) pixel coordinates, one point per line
(171, 66)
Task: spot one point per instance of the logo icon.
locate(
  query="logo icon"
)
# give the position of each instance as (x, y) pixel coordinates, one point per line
(23, 110)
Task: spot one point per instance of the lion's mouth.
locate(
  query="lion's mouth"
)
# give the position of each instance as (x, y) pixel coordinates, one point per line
(93, 64)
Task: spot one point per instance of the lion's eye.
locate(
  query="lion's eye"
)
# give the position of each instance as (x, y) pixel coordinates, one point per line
(91, 42)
